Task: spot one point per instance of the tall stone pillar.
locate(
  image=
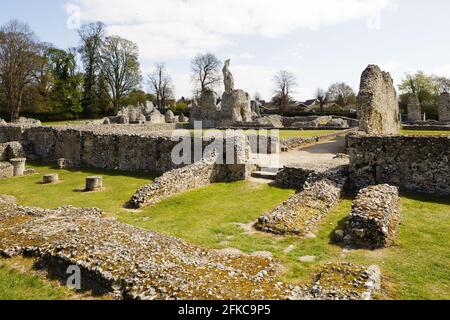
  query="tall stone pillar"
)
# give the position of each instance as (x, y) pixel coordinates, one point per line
(444, 106)
(414, 109)
(378, 109)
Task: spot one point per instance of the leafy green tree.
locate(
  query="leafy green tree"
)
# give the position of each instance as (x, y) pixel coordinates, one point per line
(341, 94)
(426, 87)
(65, 94)
(134, 98)
(91, 37)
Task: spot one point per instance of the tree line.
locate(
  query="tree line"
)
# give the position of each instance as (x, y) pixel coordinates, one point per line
(39, 79)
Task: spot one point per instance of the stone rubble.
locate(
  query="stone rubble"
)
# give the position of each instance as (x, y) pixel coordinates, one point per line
(347, 282)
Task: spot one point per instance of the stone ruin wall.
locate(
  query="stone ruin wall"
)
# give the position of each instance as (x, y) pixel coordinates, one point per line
(374, 218)
(82, 147)
(413, 163)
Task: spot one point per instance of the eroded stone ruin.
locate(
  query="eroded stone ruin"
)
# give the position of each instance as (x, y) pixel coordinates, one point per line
(300, 214)
(234, 108)
(131, 263)
(444, 106)
(378, 108)
(414, 108)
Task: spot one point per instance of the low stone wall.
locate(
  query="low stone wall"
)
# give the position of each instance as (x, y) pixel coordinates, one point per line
(112, 147)
(413, 163)
(300, 213)
(9, 132)
(427, 126)
(296, 143)
(191, 177)
(374, 218)
(295, 177)
(176, 181)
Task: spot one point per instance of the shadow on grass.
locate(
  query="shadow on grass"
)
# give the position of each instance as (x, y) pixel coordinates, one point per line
(426, 198)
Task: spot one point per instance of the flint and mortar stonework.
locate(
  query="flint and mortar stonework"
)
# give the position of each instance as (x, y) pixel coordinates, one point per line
(300, 214)
(6, 170)
(414, 108)
(374, 218)
(130, 263)
(444, 106)
(11, 150)
(191, 177)
(295, 176)
(378, 108)
(112, 147)
(413, 163)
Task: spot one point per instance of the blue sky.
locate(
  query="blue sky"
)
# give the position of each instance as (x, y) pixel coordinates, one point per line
(321, 41)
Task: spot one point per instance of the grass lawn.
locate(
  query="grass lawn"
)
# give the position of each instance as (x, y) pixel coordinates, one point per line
(425, 133)
(285, 134)
(15, 285)
(68, 122)
(418, 267)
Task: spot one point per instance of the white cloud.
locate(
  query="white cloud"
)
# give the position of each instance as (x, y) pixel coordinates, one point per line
(176, 28)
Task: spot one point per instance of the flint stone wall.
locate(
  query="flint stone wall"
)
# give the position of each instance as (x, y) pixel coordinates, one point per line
(11, 150)
(295, 177)
(96, 147)
(375, 216)
(300, 214)
(6, 170)
(413, 163)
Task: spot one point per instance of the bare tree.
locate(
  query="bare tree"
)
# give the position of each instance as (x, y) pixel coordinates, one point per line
(285, 82)
(161, 85)
(19, 62)
(321, 95)
(120, 67)
(205, 71)
(341, 93)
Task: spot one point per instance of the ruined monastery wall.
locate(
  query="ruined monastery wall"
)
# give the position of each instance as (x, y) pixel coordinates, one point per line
(413, 163)
(102, 150)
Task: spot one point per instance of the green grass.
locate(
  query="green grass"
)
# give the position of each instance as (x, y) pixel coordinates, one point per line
(18, 286)
(68, 122)
(418, 267)
(425, 133)
(30, 192)
(285, 134)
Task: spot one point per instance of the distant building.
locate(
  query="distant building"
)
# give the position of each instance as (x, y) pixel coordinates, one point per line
(308, 105)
